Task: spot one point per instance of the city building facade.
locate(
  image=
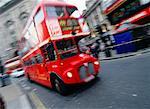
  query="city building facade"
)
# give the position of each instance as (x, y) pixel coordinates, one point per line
(94, 14)
(13, 17)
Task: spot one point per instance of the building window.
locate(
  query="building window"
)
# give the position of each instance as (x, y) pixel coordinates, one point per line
(9, 23)
(13, 44)
(23, 15)
(12, 32)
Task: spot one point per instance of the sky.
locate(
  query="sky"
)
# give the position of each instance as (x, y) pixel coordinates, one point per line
(79, 3)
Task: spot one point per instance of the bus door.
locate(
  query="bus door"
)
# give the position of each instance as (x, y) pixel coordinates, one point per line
(40, 69)
(50, 57)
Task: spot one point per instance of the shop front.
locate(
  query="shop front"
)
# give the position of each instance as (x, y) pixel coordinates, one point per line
(120, 12)
(134, 11)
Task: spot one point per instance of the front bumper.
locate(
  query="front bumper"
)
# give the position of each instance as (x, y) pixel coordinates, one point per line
(82, 76)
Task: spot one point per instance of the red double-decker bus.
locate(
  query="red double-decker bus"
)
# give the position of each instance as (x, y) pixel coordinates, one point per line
(49, 48)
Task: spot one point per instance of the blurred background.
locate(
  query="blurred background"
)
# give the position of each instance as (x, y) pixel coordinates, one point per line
(119, 28)
(101, 15)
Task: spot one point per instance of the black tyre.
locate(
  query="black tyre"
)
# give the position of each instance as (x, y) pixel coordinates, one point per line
(59, 86)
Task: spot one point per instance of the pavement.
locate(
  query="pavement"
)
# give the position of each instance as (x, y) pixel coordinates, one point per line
(117, 56)
(14, 97)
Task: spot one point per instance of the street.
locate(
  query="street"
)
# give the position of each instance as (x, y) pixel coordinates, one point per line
(122, 84)
(94, 54)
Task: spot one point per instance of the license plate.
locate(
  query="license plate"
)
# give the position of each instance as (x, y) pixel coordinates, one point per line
(89, 78)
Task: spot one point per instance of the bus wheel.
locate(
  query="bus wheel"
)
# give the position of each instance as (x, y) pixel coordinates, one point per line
(60, 87)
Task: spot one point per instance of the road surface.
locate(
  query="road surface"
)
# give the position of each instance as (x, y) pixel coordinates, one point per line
(122, 84)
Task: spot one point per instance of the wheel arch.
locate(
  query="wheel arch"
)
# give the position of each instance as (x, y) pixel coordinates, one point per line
(53, 75)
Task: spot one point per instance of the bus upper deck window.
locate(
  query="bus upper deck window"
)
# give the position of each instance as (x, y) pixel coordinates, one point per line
(55, 11)
(73, 12)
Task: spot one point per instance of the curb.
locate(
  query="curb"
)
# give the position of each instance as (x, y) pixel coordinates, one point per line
(127, 55)
(36, 101)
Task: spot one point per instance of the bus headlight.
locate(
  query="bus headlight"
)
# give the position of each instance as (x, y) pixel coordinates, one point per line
(96, 63)
(69, 74)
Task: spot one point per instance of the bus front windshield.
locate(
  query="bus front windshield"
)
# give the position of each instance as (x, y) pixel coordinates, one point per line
(73, 12)
(66, 48)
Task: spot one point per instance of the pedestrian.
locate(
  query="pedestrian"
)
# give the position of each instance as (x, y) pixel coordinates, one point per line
(2, 73)
(95, 49)
(83, 46)
(2, 103)
(85, 49)
(102, 46)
